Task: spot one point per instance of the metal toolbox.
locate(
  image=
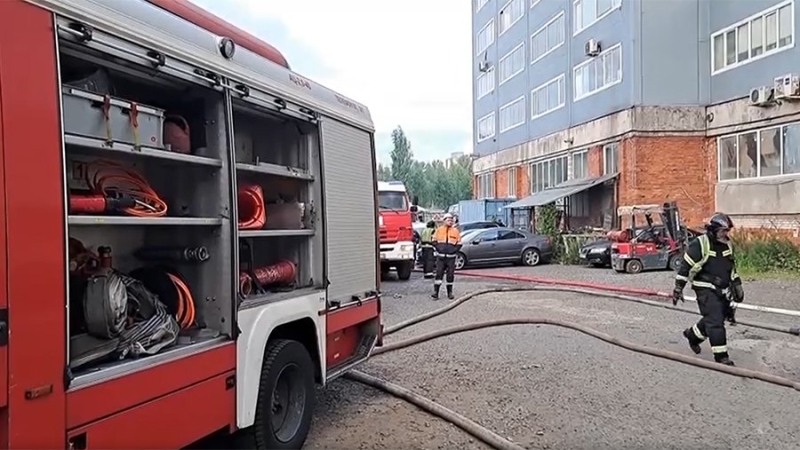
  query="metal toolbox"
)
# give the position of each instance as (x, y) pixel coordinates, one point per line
(111, 119)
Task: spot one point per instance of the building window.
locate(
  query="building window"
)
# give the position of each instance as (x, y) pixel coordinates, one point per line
(479, 4)
(547, 38)
(580, 165)
(512, 182)
(513, 63)
(763, 34)
(548, 173)
(485, 83)
(486, 127)
(534, 2)
(588, 12)
(486, 185)
(510, 14)
(548, 97)
(610, 158)
(762, 153)
(598, 73)
(512, 114)
(485, 37)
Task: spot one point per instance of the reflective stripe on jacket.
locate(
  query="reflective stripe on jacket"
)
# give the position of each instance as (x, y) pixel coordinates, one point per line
(447, 240)
(695, 258)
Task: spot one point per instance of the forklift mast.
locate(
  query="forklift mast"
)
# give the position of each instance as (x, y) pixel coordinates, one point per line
(671, 218)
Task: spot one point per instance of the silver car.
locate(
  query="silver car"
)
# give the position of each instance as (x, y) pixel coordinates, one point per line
(503, 245)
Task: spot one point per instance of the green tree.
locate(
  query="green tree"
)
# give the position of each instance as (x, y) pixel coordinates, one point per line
(435, 184)
(402, 156)
(384, 173)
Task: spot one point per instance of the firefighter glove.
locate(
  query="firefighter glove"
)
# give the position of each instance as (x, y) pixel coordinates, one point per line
(677, 295)
(737, 291)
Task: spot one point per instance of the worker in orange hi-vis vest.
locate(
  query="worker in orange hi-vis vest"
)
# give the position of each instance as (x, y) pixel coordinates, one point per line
(447, 242)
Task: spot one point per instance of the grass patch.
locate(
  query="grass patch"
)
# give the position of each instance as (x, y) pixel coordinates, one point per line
(766, 257)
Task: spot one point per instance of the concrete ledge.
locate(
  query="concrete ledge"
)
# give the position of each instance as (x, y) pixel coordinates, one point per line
(649, 120)
(737, 115)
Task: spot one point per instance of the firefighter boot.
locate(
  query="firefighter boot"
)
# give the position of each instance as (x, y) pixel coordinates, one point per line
(724, 360)
(450, 295)
(693, 344)
(435, 294)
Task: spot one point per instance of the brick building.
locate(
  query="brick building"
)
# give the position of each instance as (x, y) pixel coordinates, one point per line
(638, 113)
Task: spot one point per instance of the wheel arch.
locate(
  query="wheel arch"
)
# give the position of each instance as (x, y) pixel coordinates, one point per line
(296, 319)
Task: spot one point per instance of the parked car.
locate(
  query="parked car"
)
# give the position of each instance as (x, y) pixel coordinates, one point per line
(469, 226)
(597, 253)
(503, 245)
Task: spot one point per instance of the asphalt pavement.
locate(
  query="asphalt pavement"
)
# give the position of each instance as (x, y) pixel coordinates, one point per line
(551, 388)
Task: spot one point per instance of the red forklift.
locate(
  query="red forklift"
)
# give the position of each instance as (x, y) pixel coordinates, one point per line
(657, 245)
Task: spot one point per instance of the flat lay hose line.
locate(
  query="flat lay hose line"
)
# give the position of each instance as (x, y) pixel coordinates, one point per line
(109, 177)
(621, 290)
(491, 438)
(484, 434)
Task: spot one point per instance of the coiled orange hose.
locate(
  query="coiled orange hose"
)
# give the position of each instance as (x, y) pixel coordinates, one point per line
(252, 211)
(107, 177)
(186, 311)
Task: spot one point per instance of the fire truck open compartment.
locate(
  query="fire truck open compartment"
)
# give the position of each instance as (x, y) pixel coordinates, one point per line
(145, 168)
(136, 134)
(279, 155)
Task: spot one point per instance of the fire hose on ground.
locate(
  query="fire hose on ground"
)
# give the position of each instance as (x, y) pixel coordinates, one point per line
(493, 439)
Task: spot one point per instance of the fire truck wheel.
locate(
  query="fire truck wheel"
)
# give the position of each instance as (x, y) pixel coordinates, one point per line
(285, 397)
(404, 270)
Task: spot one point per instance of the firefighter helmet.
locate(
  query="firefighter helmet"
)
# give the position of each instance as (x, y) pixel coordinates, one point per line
(719, 221)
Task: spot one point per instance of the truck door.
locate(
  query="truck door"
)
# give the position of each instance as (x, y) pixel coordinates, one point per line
(348, 183)
(349, 191)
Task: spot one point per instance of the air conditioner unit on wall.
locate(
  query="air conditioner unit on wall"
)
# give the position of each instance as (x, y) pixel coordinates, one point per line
(762, 96)
(592, 47)
(787, 87)
(484, 66)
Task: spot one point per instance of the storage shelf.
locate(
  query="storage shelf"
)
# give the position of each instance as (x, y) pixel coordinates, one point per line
(274, 233)
(100, 146)
(275, 169)
(273, 297)
(126, 220)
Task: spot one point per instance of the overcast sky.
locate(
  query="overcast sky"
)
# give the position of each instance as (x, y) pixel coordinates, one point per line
(408, 61)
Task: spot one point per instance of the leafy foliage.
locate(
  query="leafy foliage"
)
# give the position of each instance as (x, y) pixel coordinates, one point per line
(758, 253)
(436, 184)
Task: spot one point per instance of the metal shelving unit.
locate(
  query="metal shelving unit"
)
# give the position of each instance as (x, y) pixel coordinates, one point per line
(151, 221)
(274, 233)
(276, 170)
(94, 146)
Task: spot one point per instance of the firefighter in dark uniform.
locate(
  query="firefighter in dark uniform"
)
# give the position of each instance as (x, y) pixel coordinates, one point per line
(428, 258)
(447, 242)
(709, 266)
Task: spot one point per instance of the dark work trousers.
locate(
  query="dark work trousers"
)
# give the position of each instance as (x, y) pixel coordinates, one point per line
(444, 265)
(712, 325)
(428, 261)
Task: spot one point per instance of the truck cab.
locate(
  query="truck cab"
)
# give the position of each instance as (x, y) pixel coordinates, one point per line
(396, 230)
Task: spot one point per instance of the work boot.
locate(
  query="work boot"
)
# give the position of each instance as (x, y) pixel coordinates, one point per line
(435, 296)
(725, 360)
(450, 295)
(693, 344)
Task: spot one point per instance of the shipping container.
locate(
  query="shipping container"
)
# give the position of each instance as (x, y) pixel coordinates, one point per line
(485, 209)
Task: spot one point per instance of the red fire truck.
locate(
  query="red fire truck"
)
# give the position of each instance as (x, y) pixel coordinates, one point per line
(396, 231)
(134, 311)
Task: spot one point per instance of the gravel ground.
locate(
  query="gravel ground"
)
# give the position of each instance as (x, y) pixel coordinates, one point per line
(551, 388)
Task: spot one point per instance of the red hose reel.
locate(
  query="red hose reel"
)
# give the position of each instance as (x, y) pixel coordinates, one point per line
(252, 210)
(282, 272)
